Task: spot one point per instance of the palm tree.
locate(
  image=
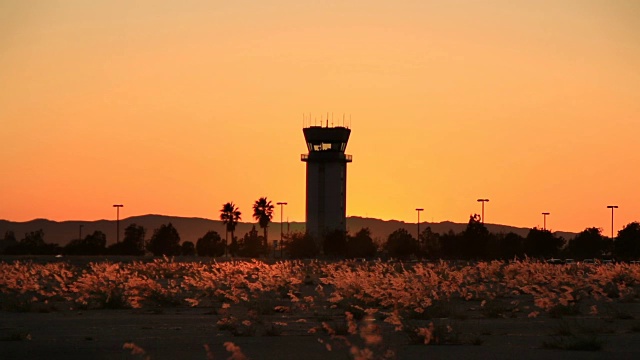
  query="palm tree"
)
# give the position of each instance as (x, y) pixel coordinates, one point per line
(230, 215)
(263, 212)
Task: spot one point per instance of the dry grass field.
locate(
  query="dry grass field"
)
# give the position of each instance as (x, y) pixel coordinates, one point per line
(83, 308)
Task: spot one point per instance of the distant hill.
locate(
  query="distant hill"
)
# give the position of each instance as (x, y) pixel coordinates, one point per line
(191, 229)
(382, 228)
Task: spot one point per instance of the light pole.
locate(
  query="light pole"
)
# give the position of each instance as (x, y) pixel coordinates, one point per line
(612, 207)
(544, 214)
(418, 210)
(281, 229)
(118, 206)
(483, 201)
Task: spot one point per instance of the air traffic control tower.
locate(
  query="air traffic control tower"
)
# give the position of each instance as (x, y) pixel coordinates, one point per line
(326, 178)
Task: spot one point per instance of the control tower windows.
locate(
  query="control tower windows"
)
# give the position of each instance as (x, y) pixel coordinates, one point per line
(327, 147)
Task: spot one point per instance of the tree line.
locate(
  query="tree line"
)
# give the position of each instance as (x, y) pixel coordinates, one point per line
(474, 243)
(477, 243)
(165, 240)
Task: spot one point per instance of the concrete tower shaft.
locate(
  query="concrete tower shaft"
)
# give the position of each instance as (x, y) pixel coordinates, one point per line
(326, 178)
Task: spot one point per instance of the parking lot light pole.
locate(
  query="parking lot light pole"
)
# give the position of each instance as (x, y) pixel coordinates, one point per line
(544, 214)
(118, 206)
(418, 210)
(483, 201)
(281, 229)
(612, 207)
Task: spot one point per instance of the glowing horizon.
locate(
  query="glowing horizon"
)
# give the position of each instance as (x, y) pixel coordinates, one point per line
(175, 109)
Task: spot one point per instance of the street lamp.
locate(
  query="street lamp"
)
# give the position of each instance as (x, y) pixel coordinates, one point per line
(544, 214)
(612, 207)
(281, 229)
(118, 206)
(418, 210)
(483, 201)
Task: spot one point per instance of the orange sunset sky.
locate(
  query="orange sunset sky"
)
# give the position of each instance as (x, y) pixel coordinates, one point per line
(175, 107)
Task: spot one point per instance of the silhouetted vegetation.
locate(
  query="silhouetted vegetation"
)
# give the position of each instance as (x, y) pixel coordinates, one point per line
(165, 241)
(8, 241)
(210, 245)
(234, 247)
(627, 244)
(361, 245)
(542, 244)
(92, 244)
(188, 248)
(401, 244)
(430, 244)
(133, 242)
(230, 216)
(475, 242)
(475, 238)
(588, 244)
(263, 212)
(32, 244)
(252, 245)
(301, 246)
(510, 246)
(449, 245)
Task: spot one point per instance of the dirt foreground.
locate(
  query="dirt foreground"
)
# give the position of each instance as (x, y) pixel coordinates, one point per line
(183, 333)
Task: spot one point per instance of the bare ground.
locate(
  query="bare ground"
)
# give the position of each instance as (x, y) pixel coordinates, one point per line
(174, 333)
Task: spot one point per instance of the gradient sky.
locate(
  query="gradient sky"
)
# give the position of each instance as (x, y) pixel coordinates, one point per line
(177, 107)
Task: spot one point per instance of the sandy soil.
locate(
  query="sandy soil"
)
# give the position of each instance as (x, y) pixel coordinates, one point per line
(183, 332)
